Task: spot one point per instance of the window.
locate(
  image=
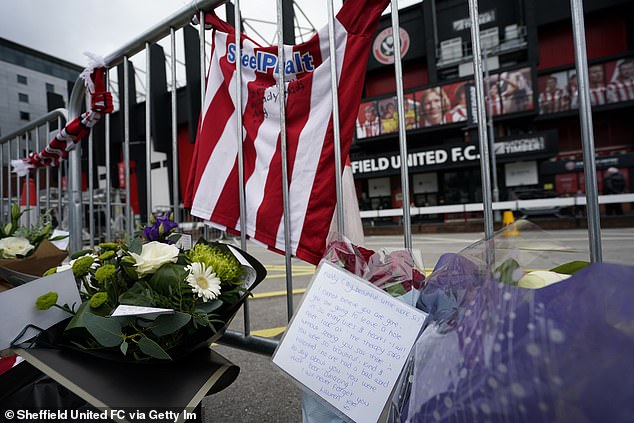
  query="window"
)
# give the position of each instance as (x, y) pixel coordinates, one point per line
(22, 79)
(50, 88)
(24, 98)
(25, 116)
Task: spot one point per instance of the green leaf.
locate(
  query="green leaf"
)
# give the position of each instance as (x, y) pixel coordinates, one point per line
(396, 290)
(209, 306)
(127, 264)
(135, 246)
(79, 320)
(124, 347)
(174, 237)
(137, 295)
(166, 324)
(167, 276)
(80, 253)
(151, 348)
(105, 331)
(570, 268)
(507, 271)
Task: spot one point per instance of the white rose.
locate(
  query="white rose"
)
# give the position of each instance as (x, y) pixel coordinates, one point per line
(153, 255)
(11, 246)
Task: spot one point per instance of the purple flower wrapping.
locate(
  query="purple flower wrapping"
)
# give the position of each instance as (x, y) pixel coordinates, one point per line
(496, 352)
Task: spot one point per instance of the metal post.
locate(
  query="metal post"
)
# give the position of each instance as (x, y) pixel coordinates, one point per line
(334, 77)
(402, 135)
(18, 188)
(73, 174)
(38, 210)
(9, 176)
(587, 137)
(203, 74)
(108, 172)
(285, 195)
(28, 182)
(59, 182)
(240, 129)
(482, 131)
(91, 188)
(175, 185)
(48, 184)
(126, 147)
(148, 136)
(2, 181)
(239, 140)
(73, 178)
(494, 171)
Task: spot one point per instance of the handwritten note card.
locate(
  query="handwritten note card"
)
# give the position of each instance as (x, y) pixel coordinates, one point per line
(348, 342)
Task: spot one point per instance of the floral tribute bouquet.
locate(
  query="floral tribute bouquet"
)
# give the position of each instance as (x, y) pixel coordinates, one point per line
(504, 343)
(149, 300)
(395, 271)
(27, 251)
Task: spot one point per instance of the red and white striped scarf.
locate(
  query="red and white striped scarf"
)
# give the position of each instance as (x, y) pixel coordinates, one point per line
(66, 139)
(213, 182)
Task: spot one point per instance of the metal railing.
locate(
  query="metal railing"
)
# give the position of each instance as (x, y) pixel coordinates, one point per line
(532, 207)
(167, 28)
(39, 190)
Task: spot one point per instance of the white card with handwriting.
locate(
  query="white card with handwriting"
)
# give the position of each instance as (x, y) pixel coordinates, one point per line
(348, 342)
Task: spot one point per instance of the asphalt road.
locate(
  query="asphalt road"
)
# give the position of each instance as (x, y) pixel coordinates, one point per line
(263, 393)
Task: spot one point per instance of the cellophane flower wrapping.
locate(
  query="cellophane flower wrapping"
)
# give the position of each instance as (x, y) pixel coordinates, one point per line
(494, 351)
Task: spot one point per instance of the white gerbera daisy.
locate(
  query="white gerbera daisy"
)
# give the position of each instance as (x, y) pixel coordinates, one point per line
(203, 281)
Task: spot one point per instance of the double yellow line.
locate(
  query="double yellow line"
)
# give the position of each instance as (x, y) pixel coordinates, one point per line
(277, 271)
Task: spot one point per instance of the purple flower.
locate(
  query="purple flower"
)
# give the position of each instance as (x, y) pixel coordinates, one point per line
(160, 230)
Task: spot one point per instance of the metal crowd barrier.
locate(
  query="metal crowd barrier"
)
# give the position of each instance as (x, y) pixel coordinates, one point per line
(75, 202)
(33, 137)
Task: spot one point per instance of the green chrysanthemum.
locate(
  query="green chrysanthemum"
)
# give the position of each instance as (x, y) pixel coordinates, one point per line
(107, 255)
(224, 264)
(46, 301)
(50, 271)
(109, 246)
(98, 299)
(82, 266)
(105, 272)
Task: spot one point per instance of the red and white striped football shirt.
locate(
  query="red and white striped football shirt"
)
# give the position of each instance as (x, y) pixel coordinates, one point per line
(620, 91)
(213, 182)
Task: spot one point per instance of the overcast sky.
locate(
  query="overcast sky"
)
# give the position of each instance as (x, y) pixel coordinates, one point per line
(68, 28)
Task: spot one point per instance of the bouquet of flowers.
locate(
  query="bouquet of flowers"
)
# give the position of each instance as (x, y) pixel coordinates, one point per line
(395, 271)
(506, 343)
(25, 250)
(151, 300)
